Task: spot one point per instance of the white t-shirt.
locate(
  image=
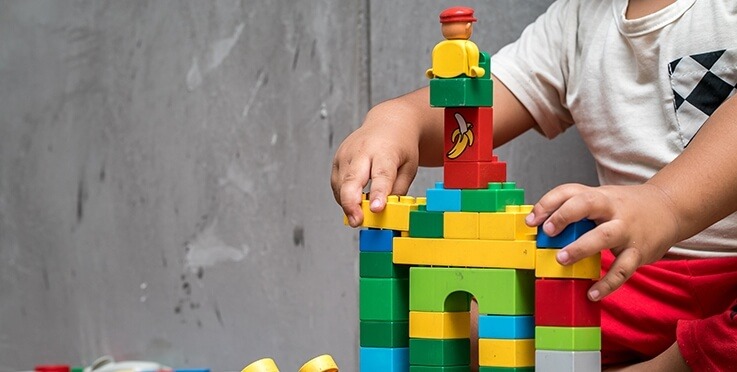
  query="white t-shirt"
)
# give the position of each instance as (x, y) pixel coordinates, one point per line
(637, 90)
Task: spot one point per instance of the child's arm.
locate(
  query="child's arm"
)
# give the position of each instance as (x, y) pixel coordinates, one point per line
(640, 223)
(399, 135)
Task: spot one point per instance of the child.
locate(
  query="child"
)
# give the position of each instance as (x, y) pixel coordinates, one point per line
(647, 83)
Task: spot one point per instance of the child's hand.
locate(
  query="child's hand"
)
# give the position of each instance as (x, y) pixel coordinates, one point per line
(637, 223)
(386, 150)
(381, 151)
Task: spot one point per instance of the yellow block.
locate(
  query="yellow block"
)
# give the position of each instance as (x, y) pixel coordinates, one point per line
(497, 226)
(521, 230)
(262, 365)
(394, 217)
(507, 225)
(518, 254)
(439, 325)
(322, 363)
(461, 225)
(548, 267)
(506, 353)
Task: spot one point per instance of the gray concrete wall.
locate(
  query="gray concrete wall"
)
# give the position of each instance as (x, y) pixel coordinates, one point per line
(164, 170)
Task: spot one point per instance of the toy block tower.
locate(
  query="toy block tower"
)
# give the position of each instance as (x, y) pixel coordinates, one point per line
(423, 260)
(567, 324)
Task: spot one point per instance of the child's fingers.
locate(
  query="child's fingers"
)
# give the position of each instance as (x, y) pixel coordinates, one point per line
(589, 203)
(622, 269)
(351, 179)
(551, 201)
(607, 235)
(405, 175)
(383, 175)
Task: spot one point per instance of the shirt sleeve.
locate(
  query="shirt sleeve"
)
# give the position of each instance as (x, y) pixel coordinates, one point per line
(535, 67)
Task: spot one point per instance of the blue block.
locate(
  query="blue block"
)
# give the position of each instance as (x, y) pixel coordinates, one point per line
(375, 359)
(440, 199)
(567, 236)
(376, 240)
(506, 326)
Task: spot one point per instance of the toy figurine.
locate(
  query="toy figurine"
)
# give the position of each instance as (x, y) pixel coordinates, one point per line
(456, 55)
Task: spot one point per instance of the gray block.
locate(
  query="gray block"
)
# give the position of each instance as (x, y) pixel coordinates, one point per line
(567, 361)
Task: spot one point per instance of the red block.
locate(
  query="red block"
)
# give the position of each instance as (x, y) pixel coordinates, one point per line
(473, 123)
(563, 303)
(473, 175)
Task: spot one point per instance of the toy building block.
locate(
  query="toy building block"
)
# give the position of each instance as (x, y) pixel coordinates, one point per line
(395, 215)
(506, 369)
(439, 368)
(506, 353)
(507, 225)
(568, 338)
(461, 92)
(384, 334)
(494, 197)
(322, 363)
(516, 254)
(424, 224)
(375, 240)
(383, 299)
(468, 134)
(563, 303)
(473, 174)
(456, 55)
(380, 265)
(440, 199)
(461, 225)
(497, 291)
(567, 236)
(567, 361)
(439, 325)
(262, 365)
(547, 267)
(431, 352)
(394, 359)
(506, 326)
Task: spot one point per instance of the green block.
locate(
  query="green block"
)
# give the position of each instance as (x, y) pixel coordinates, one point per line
(568, 338)
(464, 91)
(497, 291)
(461, 92)
(495, 198)
(439, 369)
(384, 334)
(424, 224)
(380, 265)
(383, 299)
(432, 352)
(506, 369)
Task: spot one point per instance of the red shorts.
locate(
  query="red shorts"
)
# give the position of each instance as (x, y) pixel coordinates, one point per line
(693, 301)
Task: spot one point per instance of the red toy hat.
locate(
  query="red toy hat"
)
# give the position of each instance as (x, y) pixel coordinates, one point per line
(457, 14)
